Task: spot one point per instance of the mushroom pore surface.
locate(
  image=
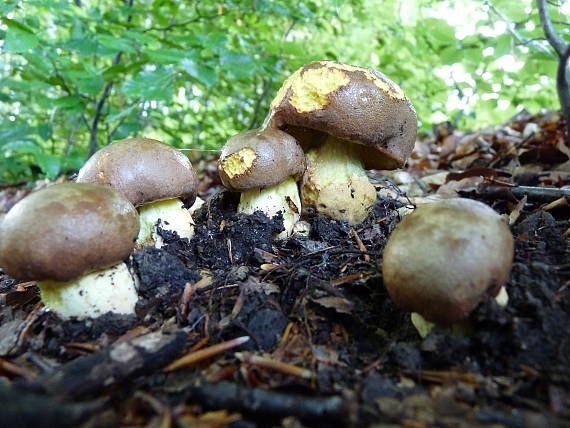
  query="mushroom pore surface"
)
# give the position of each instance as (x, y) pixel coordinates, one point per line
(443, 259)
(65, 230)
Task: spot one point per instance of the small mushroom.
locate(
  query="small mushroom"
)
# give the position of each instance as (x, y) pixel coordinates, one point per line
(72, 239)
(153, 176)
(347, 119)
(445, 257)
(264, 165)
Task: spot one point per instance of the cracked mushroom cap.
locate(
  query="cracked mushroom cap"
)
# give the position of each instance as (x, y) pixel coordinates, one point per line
(66, 230)
(142, 170)
(445, 257)
(351, 103)
(258, 159)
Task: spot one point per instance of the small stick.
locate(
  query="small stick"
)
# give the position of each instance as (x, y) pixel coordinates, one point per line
(538, 194)
(278, 366)
(204, 354)
(14, 370)
(361, 246)
(325, 411)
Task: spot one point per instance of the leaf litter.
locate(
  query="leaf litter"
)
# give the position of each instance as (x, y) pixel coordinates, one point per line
(236, 329)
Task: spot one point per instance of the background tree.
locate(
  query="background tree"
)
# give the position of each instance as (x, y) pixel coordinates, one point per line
(78, 75)
(562, 49)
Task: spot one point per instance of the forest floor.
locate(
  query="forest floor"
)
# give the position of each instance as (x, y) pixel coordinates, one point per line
(236, 329)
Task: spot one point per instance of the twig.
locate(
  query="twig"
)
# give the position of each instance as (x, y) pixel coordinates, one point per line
(114, 365)
(70, 139)
(198, 18)
(537, 194)
(204, 354)
(200, 124)
(272, 404)
(266, 88)
(22, 408)
(278, 366)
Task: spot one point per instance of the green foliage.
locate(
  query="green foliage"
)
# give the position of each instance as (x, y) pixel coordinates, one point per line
(194, 73)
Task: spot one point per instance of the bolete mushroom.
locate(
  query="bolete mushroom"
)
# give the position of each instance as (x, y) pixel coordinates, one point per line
(445, 257)
(264, 165)
(72, 239)
(153, 176)
(347, 119)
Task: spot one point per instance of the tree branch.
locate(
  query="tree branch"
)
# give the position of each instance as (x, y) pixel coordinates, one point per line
(553, 38)
(197, 18)
(511, 29)
(93, 144)
(266, 85)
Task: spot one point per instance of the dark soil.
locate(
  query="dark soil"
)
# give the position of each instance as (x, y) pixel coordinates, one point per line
(314, 302)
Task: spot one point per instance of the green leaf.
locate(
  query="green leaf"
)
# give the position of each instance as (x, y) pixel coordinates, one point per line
(121, 114)
(91, 86)
(14, 132)
(439, 30)
(40, 62)
(140, 37)
(18, 40)
(116, 43)
(22, 147)
(503, 44)
(67, 101)
(45, 131)
(511, 9)
(49, 164)
(240, 66)
(85, 47)
(203, 74)
(150, 85)
(451, 55)
(216, 41)
(166, 56)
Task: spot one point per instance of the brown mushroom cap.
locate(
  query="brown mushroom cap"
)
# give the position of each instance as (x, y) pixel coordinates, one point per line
(350, 103)
(260, 158)
(142, 170)
(66, 230)
(445, 257)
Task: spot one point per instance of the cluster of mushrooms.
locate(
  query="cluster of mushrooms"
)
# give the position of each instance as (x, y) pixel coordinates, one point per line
(328, 123)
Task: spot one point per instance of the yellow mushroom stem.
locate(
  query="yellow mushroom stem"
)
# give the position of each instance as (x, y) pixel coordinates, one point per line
(335, 182)
(170, 215)
(283, 197)
(461, 328)
(113, 289)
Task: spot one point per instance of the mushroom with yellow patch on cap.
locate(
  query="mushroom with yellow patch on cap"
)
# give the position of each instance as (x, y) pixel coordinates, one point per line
(153, 176)
(264, 165)
(347, 119)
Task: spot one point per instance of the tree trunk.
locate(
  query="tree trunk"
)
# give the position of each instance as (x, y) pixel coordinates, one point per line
(563, 88)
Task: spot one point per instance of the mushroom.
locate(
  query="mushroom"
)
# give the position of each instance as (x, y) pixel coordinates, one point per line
(347, 119)
(264, 165)
(445, 257)
(153, 176)
(72, 239)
